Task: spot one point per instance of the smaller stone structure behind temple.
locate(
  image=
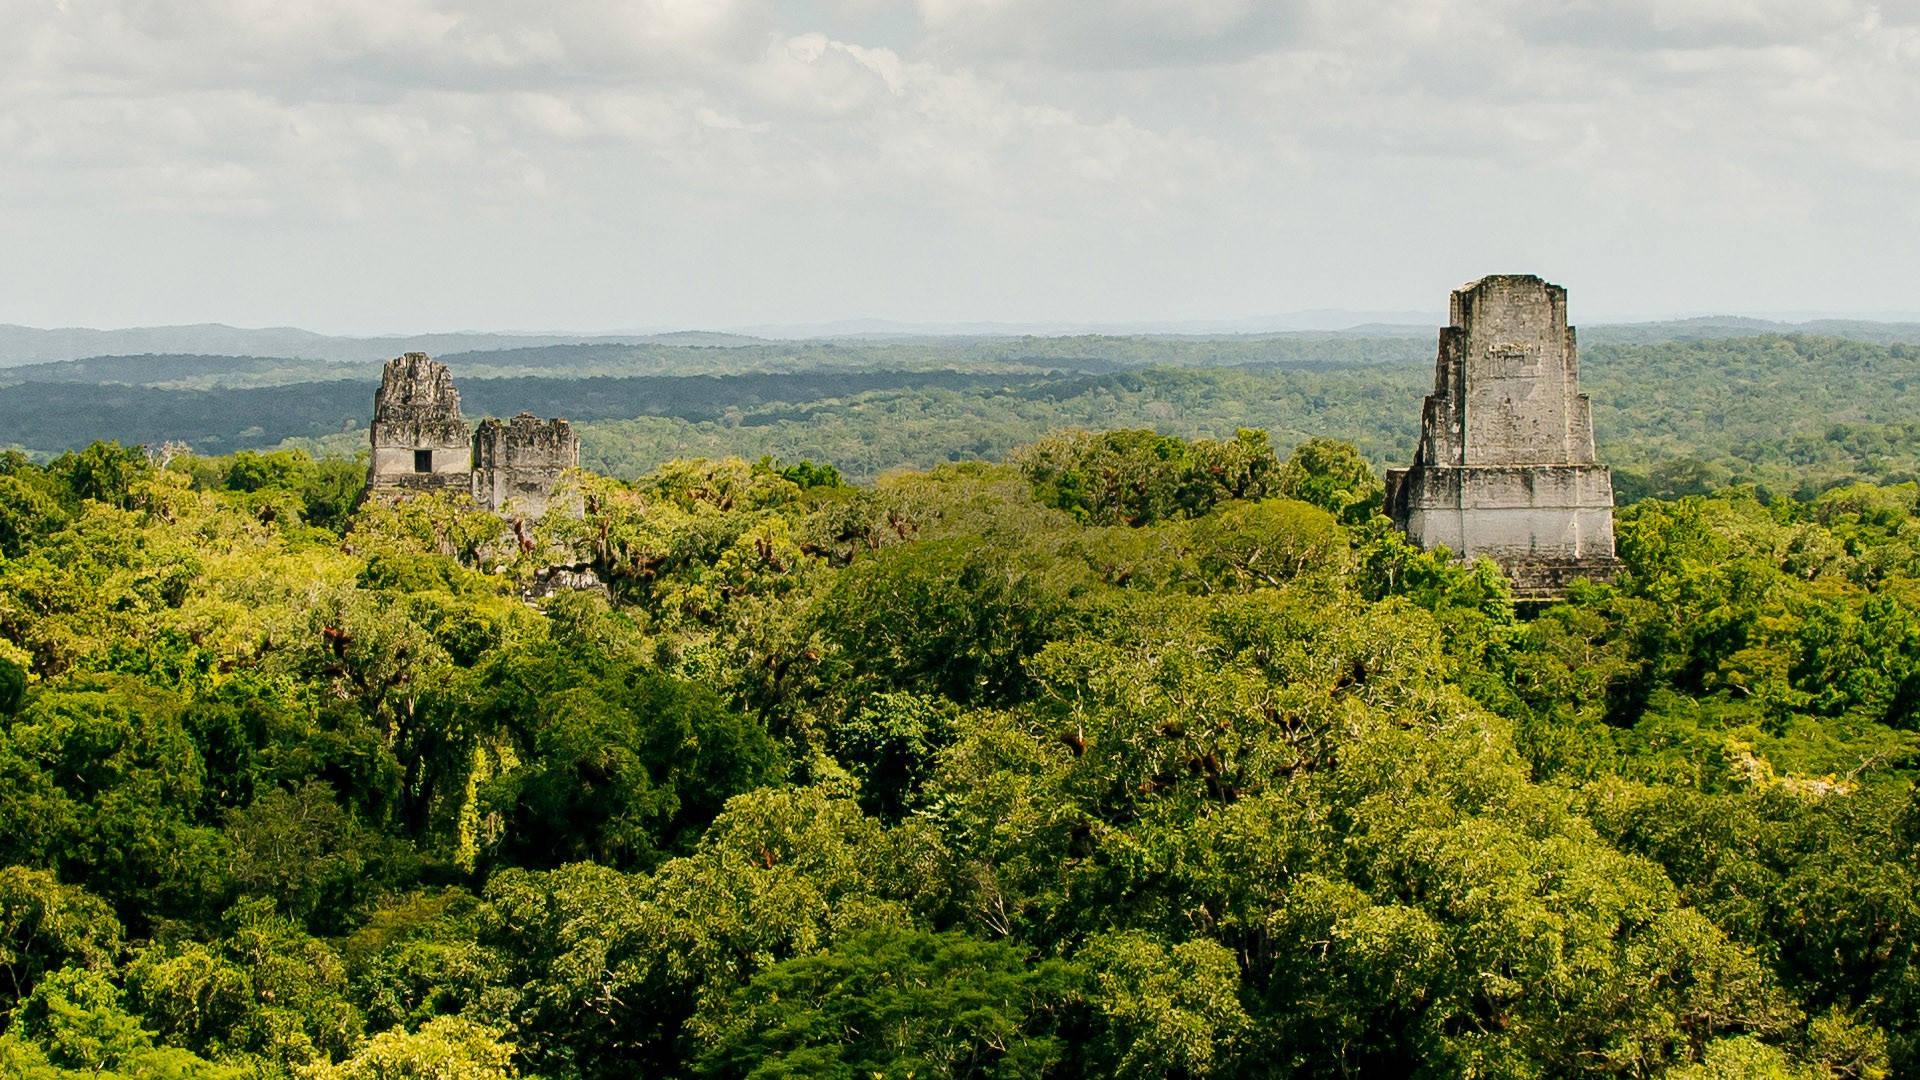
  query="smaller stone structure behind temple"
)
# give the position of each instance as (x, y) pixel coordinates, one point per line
(1506, 462)
(518, 462)
(422, 443)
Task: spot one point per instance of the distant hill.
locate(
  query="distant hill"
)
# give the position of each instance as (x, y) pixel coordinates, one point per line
(860, 343)
(29, 345)
(1321, 320)
(1721, 327)
(186, 371)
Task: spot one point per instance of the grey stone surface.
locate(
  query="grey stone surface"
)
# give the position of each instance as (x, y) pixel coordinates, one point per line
(553, 580)
(1506, 462)
(517, 463)
(420, 440)
(422, 443)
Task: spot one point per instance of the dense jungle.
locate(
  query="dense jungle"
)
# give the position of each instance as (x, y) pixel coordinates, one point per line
(1128, 755)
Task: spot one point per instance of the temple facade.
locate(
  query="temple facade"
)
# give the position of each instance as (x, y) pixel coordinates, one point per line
(421, 443)
(1506, 466)
(420, 440)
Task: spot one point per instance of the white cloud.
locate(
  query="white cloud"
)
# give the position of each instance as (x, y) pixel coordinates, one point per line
(1112, 33)
(674, 160)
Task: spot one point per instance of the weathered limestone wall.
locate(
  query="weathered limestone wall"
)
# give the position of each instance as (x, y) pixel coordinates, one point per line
(1507, 384)
(420, 441)
(1506, 462)
(518, 462)
(1512, 512)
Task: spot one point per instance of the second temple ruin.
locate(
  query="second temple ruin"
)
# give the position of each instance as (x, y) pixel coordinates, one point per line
(421, 443)
(1506, 464)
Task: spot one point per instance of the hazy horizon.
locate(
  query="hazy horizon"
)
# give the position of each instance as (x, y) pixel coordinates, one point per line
(1310, 322)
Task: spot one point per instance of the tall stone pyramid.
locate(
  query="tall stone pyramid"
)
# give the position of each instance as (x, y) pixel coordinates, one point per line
(1506, 462)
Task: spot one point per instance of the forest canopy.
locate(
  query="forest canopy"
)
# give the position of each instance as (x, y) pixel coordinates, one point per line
(1131, 755)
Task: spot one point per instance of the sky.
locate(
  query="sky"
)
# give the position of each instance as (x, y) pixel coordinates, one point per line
(373, 166)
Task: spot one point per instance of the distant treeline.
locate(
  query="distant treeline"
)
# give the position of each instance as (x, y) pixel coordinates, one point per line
(1791, 413)
(50, 417)
(179, 368)
(573, 361)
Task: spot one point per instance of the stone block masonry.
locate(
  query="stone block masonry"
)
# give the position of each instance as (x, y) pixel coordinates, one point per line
(420, 440)
(1506, 465)
(422, 443)
(517, 463)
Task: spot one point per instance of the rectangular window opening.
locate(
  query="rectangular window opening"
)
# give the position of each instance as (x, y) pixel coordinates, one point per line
(423, 461)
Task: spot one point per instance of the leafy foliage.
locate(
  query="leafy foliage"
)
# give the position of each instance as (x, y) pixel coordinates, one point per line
(892, 1004)
(1139, 477)
(1138, 755)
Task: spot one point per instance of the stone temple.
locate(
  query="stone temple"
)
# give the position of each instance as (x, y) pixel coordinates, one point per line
(1506, 462)
(421, 443)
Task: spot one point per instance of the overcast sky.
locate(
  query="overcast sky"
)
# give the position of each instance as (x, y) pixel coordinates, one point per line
(406, 165)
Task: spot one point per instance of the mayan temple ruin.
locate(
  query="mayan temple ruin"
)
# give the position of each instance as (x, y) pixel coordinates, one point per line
(422, 443)
(1506, 462)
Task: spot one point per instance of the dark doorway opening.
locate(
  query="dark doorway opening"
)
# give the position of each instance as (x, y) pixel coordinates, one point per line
(423, 461)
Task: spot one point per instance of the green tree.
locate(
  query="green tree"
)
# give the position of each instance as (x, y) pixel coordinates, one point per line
(1169, 1010)
(443, 1048)
(421, 955)
(1245, 546)
(13, 686)
(265, 990)
(1334, 477)
(74, 1026)
(331, 491)
(954, 616)
(1139, 477)
(893, 1004)
(806, 475)
(889, 745)
(298, 848)
(28, 514)
(611, 760)
(612, 965)
(105, 472)
(104, 787)
(251, 471)
(45, 926)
